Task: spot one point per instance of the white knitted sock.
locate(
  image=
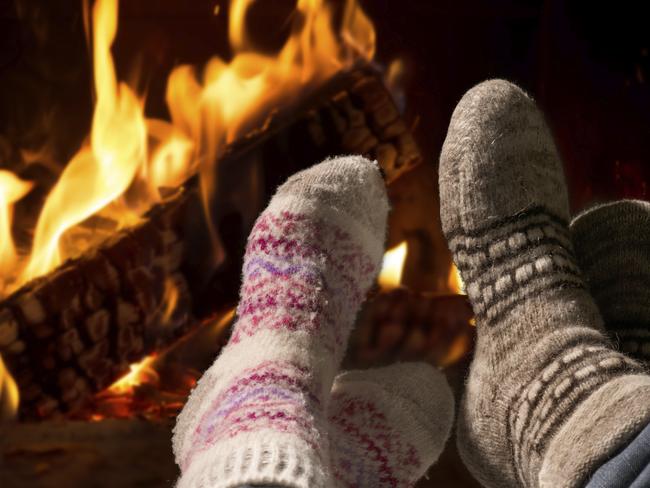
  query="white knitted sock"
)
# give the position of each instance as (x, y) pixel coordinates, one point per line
(388, 425)
(258, 414)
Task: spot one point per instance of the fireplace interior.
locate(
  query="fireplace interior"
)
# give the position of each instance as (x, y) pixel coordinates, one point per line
(119, 277)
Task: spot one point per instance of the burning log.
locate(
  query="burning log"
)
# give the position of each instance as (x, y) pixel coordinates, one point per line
(73, 332)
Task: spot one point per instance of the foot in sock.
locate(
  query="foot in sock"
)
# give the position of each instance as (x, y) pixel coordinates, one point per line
(547, 399)
(388, 425)
(257, 415)
(612, 244)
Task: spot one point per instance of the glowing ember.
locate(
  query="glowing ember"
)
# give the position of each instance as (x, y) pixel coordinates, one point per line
(390, 275)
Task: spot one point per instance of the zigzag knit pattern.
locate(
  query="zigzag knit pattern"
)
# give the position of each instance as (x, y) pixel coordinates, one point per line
(258, 414)
(388, 425)
(282, 268)
(367, 445)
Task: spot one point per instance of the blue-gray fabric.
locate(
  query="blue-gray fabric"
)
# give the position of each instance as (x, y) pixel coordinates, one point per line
(628, 469)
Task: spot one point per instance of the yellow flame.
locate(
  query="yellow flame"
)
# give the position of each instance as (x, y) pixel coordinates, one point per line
(12, 189)
(125, 148)
(9, 396)
(171, 162)
(234, 96)
(170, 299)
(392, 268)
(100, 172)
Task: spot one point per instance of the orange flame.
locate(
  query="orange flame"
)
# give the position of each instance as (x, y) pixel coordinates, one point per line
(12, 189)
(170, 299)
(127, 159)
(125, 148)
(9, 396)
(234, 96)
(455, 282)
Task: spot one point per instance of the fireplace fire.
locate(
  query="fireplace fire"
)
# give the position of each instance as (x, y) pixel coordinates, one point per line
(119, 276)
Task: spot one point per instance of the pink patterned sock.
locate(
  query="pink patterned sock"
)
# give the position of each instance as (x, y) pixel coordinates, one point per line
(388, 425)
(258, 414)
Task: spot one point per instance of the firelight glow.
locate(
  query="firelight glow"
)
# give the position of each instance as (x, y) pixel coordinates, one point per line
(130, 155)
(455, 282)
(12, 189)
(392, 267)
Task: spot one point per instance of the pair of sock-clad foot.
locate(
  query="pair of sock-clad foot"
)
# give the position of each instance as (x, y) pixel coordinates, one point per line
(548, 399)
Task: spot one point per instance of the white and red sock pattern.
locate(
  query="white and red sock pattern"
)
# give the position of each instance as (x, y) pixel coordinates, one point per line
(258, 414)
(388, 425)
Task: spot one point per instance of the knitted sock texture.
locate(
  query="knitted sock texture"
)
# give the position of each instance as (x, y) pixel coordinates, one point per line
(388, 425)
(612, 243)
(543, 400)
(258, 414)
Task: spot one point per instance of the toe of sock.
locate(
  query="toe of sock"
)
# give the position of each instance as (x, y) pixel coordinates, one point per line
(340, 178)
(350, 187)
(419, 386)
(607, 222)
(498, 159)
(489, 102)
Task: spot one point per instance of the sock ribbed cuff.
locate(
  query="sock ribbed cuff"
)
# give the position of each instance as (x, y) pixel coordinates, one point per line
(280, 459)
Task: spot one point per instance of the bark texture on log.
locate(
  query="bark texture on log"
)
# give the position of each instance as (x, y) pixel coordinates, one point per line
(73, 332)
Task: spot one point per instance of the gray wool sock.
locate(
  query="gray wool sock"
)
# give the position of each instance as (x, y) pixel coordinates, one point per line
(547, 399)
(612, 243)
